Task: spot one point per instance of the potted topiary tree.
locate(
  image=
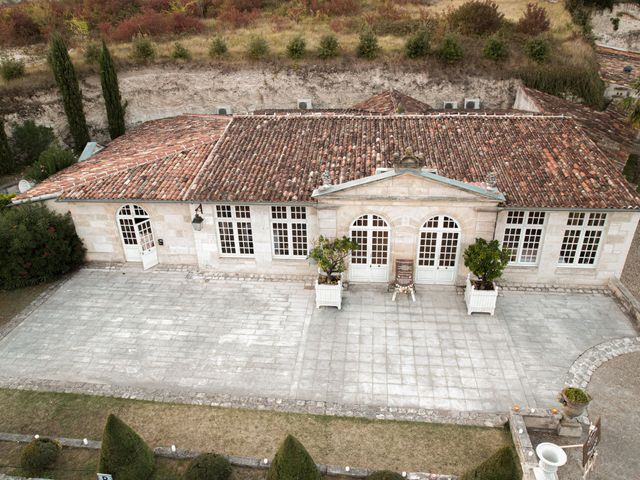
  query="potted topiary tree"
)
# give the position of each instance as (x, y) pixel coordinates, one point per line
(486, 261)
(330, 254)
(574, 400)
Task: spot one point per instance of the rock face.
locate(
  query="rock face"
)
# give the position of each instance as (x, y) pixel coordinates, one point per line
(627, 36)
(163, 91)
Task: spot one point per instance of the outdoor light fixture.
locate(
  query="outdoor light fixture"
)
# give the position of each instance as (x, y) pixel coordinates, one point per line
(173, 448)
(265, 461)
(36, 436)
(404, 474)
(347, 468)
(197, 219)
(85, 441)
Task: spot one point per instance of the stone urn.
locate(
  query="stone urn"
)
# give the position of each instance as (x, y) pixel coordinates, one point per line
(574, 400)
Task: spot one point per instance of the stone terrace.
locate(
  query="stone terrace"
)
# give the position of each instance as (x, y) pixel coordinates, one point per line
(165, 330)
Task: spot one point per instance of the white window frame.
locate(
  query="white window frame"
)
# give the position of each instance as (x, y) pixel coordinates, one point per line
(522, 229)
(234, 219)
(289, 223)
(583, 228)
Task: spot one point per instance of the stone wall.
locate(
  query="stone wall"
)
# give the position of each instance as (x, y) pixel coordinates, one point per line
(618, 235)
(627, 37)
(168, 90)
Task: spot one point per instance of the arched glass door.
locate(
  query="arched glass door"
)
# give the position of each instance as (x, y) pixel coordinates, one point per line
(370, 263)
(137, 236)
(438, 246)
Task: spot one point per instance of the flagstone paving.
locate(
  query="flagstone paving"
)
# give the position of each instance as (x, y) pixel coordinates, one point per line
(163, 330)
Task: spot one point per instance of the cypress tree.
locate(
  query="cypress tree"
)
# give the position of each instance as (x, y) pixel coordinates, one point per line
(111, 93)
(7, 164)
(67, 81)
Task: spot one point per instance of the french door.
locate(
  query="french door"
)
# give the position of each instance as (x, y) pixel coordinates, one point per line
(370, 263)
(438, 246)
(137, 236)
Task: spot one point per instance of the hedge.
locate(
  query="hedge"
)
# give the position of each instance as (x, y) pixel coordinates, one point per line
(293, 462)
(124, 454)
(502, 465)
(208, 466)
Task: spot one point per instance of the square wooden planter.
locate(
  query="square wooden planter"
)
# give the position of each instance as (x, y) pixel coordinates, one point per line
(329, 295)
(480, 301)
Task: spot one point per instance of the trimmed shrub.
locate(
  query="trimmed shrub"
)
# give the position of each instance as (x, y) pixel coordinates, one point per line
(328, 47)
(52, 160)
(218, 47)
(538, 49)
(11, 68)
(534, 20)
(144, 51)
(39, 455)
(208, 466)
(28, 141)
(450, 50)
(92, 54)
(476, 17)
(385, 475)
(180, 52)
(297, 48)
(38, 245)
(124, 454)
(368, 45)
(495, 48)
(502, 465)
(576, 395)
(292, 462)
(6, 198)
(487, 261)
(418, 44)
(111, 93)
(258, 47)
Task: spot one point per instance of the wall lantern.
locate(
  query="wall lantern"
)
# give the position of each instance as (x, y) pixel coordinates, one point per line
(197, 219)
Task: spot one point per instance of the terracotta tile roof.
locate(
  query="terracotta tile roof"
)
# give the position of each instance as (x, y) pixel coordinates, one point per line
(608, 129)
(613, 61)
(148, 142)
(540, 161)
(390, 102)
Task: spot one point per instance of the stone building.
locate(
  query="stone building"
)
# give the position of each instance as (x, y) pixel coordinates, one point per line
(253, 193)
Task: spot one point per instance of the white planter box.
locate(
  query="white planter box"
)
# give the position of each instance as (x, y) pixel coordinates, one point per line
(483, 301)
(329, 295)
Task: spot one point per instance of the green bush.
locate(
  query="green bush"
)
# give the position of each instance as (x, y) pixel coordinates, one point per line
(576, 395)
(538, 49)
(218, 48)
(38, 246)
(580, 15)
(487, 261)
(144, 51)
(632, 169)
(502, 465)
(124, 454)
(39, 455)
(7, 160)
(11, 68)
(208, 466)
(292, 462)
(450, 50)
(328, 47)
(258, 47)
(330, 255)
(476, 17)
(6, 198)
(297, 48)
(180, 52)
(385, 475)
(495, 48)
(92, 54)
(368, 45)
(418, 44)
(28, 141)
(52, 160)
(565, 78)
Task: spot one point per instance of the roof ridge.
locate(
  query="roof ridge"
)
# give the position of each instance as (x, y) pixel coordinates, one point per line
(435, 113)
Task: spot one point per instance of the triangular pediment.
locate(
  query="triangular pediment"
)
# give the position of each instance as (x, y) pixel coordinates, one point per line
(409, 184)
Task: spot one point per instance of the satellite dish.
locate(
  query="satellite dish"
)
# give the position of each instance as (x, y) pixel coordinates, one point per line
(24, 185)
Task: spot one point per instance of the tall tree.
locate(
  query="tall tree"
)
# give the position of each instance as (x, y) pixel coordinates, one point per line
(67, 81)
(7, 164)
(111, 93)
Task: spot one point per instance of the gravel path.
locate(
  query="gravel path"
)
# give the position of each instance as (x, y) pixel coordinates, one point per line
(631, 272)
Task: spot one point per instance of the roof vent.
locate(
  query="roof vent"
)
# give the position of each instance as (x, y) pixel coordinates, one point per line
(472, 103)
(449, 105)
(627, 69)
(491, 180)
(304, 104)
(224, 110)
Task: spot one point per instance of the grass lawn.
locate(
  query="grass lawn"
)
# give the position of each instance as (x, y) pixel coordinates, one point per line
(410, 446)
(13, 302)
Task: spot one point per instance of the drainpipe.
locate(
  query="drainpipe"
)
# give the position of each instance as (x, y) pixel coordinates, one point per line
(39, 198)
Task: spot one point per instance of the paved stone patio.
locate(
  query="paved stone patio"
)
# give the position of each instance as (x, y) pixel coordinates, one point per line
(162, 330)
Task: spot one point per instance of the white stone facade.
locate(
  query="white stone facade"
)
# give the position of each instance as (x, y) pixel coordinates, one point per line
(404, 202)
